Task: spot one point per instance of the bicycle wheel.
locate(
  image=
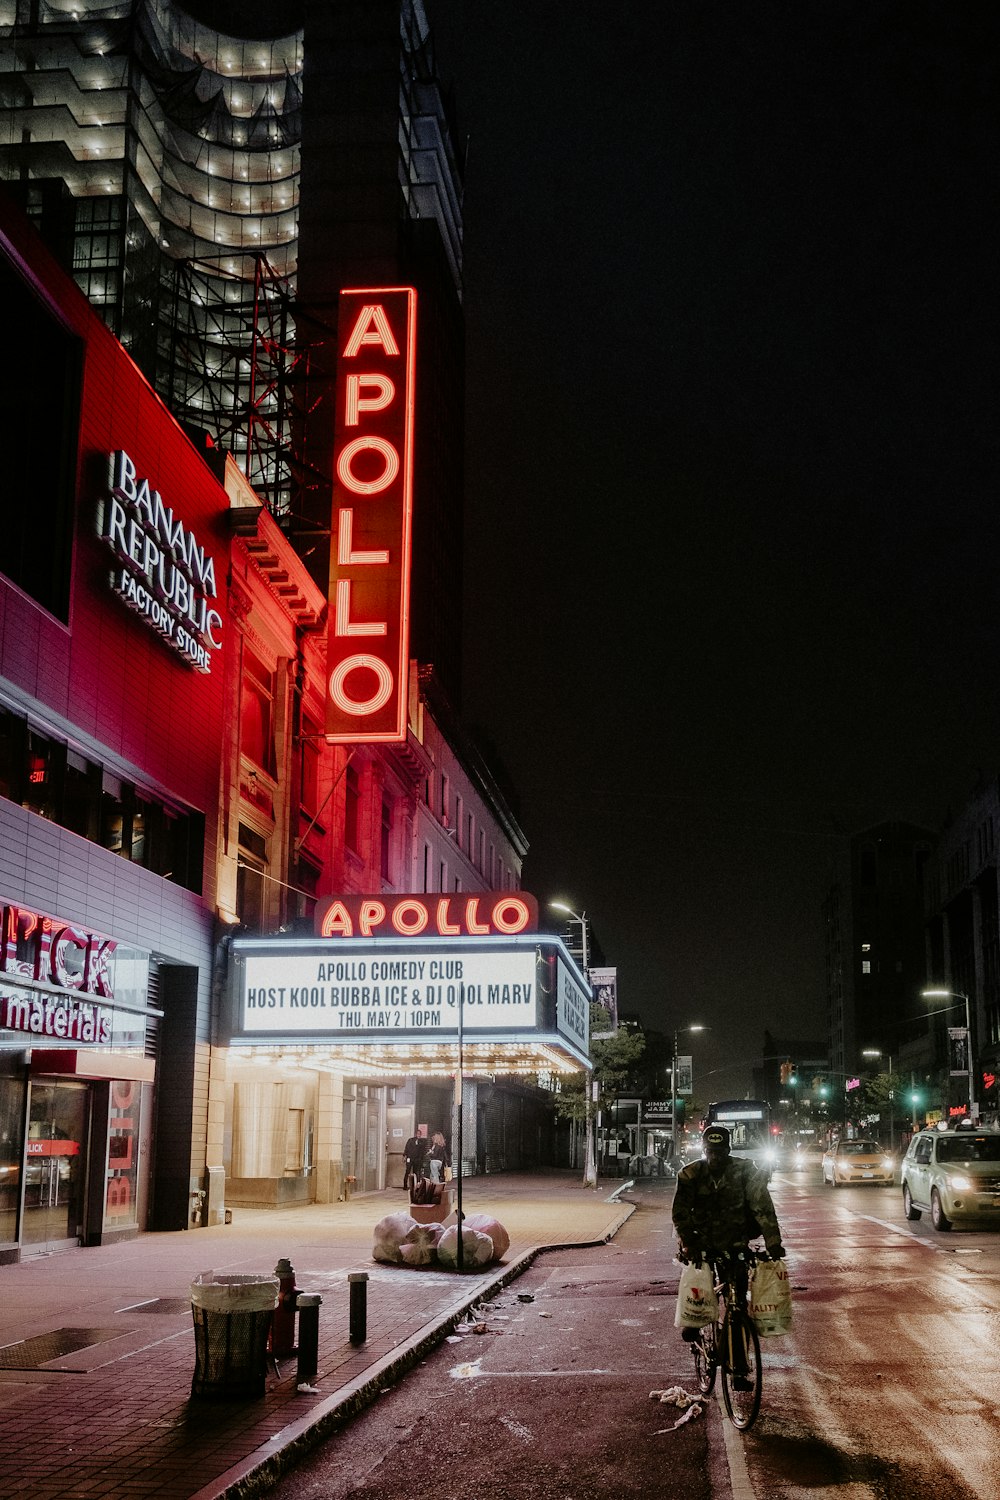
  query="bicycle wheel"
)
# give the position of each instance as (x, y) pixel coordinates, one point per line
(706, 1358)
(739, 1336)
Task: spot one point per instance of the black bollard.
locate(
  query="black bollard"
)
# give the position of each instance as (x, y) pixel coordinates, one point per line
(358, 1281)
(308, 1304)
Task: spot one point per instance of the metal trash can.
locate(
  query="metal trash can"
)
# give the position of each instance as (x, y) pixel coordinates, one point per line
(232, 1319)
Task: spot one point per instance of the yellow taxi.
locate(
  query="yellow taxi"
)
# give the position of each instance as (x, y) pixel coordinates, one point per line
(857, 1162)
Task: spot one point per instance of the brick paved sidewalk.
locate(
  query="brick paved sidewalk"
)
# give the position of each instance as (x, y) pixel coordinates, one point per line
(113, 1419)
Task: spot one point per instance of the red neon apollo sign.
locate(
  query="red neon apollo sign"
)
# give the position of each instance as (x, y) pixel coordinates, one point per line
(368, 639)
(483, 914)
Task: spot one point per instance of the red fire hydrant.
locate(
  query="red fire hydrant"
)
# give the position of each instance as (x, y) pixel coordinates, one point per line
(283, 1322)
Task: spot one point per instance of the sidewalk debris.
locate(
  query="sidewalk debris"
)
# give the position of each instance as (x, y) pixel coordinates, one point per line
(676, 1395)
(692, 1413)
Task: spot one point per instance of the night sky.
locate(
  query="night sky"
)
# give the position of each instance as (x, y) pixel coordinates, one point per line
(731, 463)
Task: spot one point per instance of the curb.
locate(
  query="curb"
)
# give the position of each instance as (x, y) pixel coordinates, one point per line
(256, 1474)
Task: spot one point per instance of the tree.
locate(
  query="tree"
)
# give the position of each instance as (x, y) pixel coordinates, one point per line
(614, 1060)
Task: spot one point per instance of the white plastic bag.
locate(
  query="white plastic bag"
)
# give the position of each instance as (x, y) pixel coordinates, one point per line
(697, 1303)
(771, 1298)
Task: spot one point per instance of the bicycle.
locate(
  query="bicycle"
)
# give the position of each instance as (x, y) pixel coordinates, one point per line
(730, 1343)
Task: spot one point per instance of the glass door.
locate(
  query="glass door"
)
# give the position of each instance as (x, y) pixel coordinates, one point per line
(55, 1166)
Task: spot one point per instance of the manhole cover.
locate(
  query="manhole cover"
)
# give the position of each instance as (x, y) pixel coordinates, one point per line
(30, 1354)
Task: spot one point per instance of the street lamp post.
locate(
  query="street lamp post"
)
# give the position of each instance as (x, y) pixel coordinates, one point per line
(581, 917)
(673, 1089)
(590, 1166)
(940, 994)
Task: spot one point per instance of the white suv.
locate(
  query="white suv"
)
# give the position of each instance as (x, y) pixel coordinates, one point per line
(952, 1174)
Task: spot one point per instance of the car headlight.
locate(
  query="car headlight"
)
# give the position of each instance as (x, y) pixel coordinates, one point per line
(959, 1181)
(771, 1156)
(887, 1163)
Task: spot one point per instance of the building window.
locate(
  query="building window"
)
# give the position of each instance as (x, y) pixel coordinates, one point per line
(50, 778)
(257, 712)
(81, 790)
(442, 877)
(444, 800)
(309, 790)
(307, 879)
(427, 867)
(352, 810)
(40, 781)
(458, 820)
(251, 903)
(386, 843)
(43, 376)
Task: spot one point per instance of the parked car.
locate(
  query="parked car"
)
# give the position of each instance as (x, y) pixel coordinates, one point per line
(856, 1162)
(952, 1174)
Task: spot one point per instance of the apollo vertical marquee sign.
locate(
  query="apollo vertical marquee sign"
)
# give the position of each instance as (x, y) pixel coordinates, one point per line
(368, 641)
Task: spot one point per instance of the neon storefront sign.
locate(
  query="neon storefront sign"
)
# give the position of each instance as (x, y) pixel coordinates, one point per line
(43, 949)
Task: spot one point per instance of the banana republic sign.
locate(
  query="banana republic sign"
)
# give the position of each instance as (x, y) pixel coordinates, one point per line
(162, 572)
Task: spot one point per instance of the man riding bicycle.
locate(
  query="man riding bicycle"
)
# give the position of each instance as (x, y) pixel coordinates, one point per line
(721, 1203)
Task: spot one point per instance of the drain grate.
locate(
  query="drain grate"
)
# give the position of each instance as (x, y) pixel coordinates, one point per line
(32, 1354)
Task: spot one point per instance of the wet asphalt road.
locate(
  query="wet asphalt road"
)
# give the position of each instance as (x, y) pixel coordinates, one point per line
(885, 1389)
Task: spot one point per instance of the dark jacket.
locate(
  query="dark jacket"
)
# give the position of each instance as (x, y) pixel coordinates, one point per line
(413, 1151)
(438, 1153)
(715, 1212)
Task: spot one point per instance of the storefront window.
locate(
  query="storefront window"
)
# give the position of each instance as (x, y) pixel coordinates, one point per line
(12, 1101)
(121, 1198)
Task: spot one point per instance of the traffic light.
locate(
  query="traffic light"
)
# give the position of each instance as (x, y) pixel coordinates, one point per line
(678, 1114)
(786, 1072)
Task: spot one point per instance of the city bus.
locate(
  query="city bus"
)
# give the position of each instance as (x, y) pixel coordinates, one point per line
(749, 1122)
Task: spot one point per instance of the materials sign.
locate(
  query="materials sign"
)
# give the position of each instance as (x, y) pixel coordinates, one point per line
(368, 641)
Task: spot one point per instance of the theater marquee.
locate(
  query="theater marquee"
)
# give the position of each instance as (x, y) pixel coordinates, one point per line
(368, 640)
(399, 1005)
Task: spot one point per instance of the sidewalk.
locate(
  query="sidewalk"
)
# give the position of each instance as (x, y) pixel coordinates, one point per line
(97, 1406)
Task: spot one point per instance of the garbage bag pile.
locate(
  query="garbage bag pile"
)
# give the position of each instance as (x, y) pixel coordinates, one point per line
(401, 1241)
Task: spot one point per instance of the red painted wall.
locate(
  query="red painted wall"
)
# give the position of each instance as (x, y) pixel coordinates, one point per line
(109, 673)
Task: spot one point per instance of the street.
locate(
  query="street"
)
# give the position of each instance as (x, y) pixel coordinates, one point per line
(883, 1390)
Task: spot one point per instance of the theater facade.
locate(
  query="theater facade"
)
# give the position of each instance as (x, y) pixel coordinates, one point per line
(172, 811)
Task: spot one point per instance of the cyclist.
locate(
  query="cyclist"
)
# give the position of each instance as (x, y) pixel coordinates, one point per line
(721, 1203)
